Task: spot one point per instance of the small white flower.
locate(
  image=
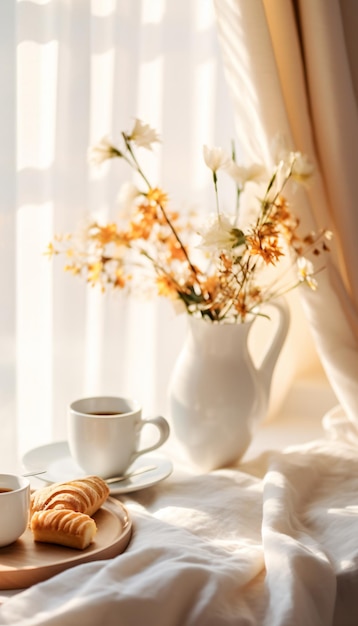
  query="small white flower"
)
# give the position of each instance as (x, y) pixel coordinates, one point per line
(215, 158)
(298, 164)
(305, 273)
(127, 196)
(241, 175)
(143, 135)
(288, 160)
(302, 168)
(102, 151)
(220, 235)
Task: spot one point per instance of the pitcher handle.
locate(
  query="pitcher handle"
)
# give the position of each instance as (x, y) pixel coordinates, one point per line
(269, 361)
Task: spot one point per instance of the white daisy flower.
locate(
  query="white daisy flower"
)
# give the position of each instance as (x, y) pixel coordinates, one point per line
(102, 151)
(306, 272)
(215, 158)
(143, 135)
(302, 168)
(241, 175)
(220, 235)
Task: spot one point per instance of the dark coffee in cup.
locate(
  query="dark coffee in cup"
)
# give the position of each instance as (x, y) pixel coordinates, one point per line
(105, 413)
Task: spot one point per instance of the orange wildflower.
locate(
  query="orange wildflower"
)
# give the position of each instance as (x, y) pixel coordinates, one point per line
(73, 269)
(269, 251)
(138, 230)
(104, 234)
(120, 280)
(167, 287)
(50, 250)
(175, 250)
(227, 262)
(157, 196)
(211, 286)
(95, 271)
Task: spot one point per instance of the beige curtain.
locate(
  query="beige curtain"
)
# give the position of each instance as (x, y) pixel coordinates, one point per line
(292, 67)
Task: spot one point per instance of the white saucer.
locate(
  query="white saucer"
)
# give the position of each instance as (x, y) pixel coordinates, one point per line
(55, 458)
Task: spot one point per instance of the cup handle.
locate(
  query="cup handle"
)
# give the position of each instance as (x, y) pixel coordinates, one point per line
(164, 430)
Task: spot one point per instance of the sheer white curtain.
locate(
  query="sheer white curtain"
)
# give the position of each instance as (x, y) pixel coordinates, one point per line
(73, 71)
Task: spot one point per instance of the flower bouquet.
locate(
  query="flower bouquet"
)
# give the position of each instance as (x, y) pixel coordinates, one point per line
(215, 271)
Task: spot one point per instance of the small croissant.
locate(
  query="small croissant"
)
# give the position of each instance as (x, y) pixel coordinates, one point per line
(85, 495)
(63, 527)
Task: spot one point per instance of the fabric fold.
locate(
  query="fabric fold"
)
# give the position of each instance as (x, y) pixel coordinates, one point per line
(300, 577)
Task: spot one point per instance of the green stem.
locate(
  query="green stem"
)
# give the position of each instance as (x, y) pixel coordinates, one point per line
(267, 205)
(238, 188)
(237, 209)
(215, 179)
(135, 162)
(178, 240)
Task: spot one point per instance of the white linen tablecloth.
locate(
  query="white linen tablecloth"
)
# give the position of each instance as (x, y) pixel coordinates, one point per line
(272, 543)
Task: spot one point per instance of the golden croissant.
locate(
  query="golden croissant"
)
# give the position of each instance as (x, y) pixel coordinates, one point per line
(64, 527)
(85, 495)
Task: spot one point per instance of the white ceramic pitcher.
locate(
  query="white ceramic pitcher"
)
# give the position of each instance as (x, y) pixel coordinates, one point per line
(216, 394)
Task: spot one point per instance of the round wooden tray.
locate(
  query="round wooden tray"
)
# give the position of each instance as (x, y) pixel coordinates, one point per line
(26, 562)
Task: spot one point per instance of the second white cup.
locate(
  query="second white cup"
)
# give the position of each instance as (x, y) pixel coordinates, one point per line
(104, 434)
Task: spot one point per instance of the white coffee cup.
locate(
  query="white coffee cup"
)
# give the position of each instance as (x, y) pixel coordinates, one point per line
(104, 434)
(14, 507)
